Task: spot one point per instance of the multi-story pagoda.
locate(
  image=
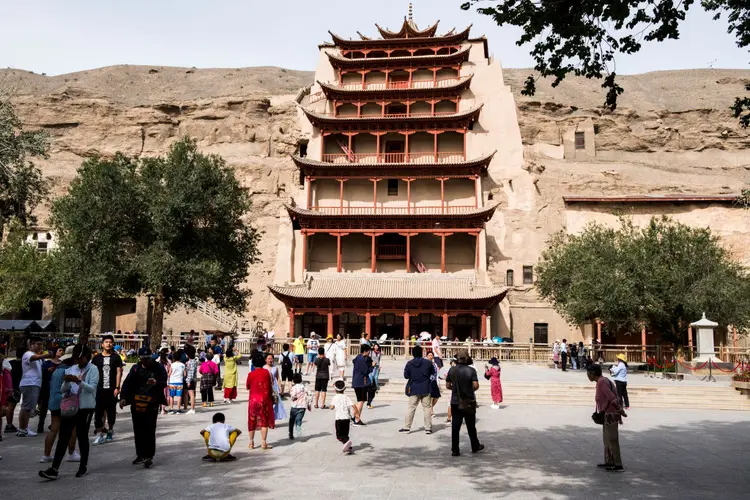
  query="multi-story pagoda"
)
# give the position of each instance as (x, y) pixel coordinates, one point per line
(389, 236)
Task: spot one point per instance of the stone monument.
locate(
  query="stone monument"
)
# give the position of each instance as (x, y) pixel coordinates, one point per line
(705, 336)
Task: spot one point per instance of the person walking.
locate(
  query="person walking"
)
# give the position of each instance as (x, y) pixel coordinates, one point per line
(278, 407)
(312, 352)
(564, 355)
(191, 377)
(434, 387)
(231, 378)
(260, 414)
(361, 369)
(609, 415)
(110, 366)
(286, 361)
(341, 356)
(581, 356)
(31, 384)
(574, 355)
(176, 377)
(437, 351)
(620, 375)
(77, 407)
(299, 354)
(48, 368)
(556, 353)
(492, 373)
(301, 403)
(418, 372)
(463, 383)
(55, 396)
(322, 376)
(375, 357)
(209, 371)
(143, 390)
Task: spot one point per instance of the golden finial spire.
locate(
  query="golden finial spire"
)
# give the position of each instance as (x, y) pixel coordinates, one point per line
(411, 12)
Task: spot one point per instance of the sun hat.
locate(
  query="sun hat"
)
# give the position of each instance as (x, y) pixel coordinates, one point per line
(462, 354)
(330, 337)
(494, 361)
(622, 357)
(68, 353)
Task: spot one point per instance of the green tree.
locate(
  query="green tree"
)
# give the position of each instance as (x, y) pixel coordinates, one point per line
(662, 276)
(582, 37)
(171, 227)
(23, 272)
(22, 186)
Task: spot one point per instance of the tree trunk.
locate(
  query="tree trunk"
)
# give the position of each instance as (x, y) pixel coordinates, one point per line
(157, 320)
(83, 337)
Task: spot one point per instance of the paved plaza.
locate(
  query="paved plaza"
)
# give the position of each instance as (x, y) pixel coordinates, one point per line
(545, 452)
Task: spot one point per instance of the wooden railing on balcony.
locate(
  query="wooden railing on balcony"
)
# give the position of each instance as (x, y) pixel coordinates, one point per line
(434, 210)
(426, 157)
(416, 84)
(418, 114)
(391, 252)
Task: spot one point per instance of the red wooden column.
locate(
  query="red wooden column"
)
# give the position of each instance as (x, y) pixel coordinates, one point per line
(408, 181)
(690, 340)
(406, 147)
(308, 192)
(291, 323)
(408, 249)
(465, 134)
(643, 343)
(442, 250)
(375, 194)
(406, 326)
(367, 325)
(442, 193)
(378, 155)
(435, 148)
(338, 253)
(484, 325)
(341, 195)
(476, 255)
(304, 251)
(363, 79)
(434, 77)
(373, 266)
(411, 73)
(599, 331)
(477, 190)
(445, 325)
(329, 325)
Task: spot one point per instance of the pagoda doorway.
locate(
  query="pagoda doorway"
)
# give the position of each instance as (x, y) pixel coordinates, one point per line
(351, 325)
(464, 326)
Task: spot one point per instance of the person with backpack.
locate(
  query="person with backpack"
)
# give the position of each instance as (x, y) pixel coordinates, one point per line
(286, 360)
(77, 409)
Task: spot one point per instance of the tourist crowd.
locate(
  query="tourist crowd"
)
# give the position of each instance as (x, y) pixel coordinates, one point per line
(75, 386)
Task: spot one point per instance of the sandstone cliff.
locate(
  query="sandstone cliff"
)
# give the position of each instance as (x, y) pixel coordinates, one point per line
(672, 133)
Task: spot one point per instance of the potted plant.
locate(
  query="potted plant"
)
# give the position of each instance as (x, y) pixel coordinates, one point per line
(741, 381)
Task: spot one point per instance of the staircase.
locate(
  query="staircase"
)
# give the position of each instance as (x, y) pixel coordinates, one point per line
(671, 395)
(216, 314)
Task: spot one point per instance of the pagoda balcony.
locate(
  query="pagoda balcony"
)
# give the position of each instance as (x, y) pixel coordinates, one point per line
(385, 210)
(419, 114)
(417, 158)
(422, 84)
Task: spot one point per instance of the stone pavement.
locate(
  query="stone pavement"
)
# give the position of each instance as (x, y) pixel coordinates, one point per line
(534, 452)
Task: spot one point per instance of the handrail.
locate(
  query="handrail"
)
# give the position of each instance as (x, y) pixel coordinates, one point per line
(417, 114)
(418, 157)
(415, 84)
(381, 210)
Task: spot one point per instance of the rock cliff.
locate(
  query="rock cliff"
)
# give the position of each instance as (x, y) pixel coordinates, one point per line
(673, 132)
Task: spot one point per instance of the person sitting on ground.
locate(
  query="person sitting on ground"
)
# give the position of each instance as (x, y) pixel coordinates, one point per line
(219, 438)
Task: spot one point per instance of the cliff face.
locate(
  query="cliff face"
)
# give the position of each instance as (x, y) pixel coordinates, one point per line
(673, 132)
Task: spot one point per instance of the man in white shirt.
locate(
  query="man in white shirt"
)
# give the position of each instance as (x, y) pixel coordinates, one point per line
(31, 384)
(220, 437)
(564, 355)
(312, 352)
(436, 351)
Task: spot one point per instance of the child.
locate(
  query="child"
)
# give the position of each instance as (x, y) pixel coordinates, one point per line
(322, 375)
(344, 408)
(492, 373)
(176, 384)
(286, 360)
(209, 371)
(219, 438)
(301, 401)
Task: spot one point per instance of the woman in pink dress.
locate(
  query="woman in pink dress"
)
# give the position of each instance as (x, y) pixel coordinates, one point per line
(496, 389)
(260, 403)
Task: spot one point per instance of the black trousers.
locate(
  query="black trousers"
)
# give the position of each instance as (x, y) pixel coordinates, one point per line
(207, 395)
(106, 402)
(81, 423)
(564, 361)
(622, 392)
(370, 394)
(458, 418)
(43, 402)
(144, 432)
(342, 430)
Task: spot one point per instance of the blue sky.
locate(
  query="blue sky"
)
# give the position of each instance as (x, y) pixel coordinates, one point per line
(54, 36)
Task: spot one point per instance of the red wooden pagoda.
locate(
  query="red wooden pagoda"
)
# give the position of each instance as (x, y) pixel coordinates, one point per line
(393, 192)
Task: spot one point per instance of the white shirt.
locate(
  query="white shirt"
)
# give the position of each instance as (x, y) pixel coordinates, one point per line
(436, 347)
(342, 406)
(178, 373)
(312, 346)
(219, 436)
(32, 370)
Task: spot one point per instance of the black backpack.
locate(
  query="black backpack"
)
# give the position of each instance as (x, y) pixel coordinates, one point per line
(286, 361)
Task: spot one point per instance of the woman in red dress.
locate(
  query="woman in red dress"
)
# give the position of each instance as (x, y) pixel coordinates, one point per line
(260, 403)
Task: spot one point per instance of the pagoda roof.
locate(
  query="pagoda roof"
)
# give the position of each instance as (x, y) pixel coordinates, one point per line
(387, 218)
(315, 168)
(447, 39)
(340, 62)
(408, 30)
(398, 122)
(334, 91)
(412, 286)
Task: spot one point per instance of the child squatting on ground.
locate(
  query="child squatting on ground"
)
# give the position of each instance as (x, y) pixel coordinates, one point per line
(219, 438)
(344, 409)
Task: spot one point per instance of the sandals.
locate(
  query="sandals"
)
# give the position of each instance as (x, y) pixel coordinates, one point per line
(266, 446)
(251, 445)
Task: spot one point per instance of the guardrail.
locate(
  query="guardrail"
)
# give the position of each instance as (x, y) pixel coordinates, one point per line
(412, 157)
(416, 210)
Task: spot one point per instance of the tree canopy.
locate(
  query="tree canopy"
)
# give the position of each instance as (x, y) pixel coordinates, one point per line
(22, 186)
(23, 272)
(663, 276)
(582, 37)
(171, 227)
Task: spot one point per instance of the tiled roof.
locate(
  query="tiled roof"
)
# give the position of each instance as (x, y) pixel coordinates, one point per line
(484, 212)
(389, 42)
(307, 161)
(408, 28)
(334, 90)
(318, 120)
(379, 286)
